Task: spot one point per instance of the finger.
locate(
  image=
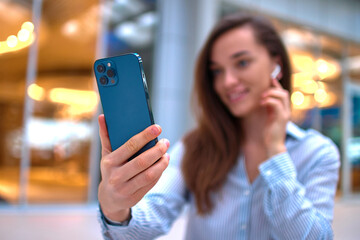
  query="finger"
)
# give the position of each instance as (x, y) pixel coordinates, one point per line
(276, 106)
(276, 93)
(134, 144)
(140, 193)
(274, 102)
(130, 194)
(150, 175)
(104, 136)
(276, 83)
(143, 161)
(280, 94)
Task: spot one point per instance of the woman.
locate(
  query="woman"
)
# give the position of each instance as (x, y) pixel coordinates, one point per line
(246, 171)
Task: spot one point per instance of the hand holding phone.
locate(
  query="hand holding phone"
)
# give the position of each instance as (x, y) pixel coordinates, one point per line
(124, 97)
(127, 132)
(124, 183)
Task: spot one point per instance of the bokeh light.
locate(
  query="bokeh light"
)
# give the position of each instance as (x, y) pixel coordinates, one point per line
(23, 35)
(12, 41)
(297, 98)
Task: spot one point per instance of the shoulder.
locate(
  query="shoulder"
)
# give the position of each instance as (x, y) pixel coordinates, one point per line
(311, 144)
(310, 137)
(314, 139)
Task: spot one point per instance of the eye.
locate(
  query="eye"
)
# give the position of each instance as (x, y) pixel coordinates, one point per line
(242, 63)
(215, 71)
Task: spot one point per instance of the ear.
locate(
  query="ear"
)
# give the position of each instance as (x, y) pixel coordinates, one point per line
(277, 70)
(275, 73)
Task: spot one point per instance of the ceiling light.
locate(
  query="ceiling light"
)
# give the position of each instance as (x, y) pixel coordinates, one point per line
(81, 98)
(297, 98)
(12, 41)
(36, 92)
(23, 35)
(70, 27)
(125, 29)
(148, 19)
(28, 26)
(320, 95)
(327, 68)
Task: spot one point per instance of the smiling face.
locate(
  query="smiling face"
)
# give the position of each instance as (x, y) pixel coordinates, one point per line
(241, 69)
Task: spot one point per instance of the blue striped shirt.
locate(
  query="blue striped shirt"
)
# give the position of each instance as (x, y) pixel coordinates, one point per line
(292, 198)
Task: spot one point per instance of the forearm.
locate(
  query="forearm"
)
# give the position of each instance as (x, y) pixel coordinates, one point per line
(291, 214)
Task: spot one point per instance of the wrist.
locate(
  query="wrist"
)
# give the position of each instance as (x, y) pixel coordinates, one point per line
(120, 216)
(118, 223)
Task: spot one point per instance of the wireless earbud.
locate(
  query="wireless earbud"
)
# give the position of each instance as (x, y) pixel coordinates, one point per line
(276, 71)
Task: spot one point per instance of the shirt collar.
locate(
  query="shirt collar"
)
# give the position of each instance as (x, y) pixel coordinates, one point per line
(294, 131)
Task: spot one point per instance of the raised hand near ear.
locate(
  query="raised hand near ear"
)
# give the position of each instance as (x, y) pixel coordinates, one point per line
(277, 103)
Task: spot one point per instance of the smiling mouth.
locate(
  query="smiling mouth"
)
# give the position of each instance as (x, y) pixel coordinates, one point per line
(237, 96)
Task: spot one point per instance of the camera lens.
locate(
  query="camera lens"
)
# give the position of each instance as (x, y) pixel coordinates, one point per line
(110, 73)
(104, 80)
(100, 68)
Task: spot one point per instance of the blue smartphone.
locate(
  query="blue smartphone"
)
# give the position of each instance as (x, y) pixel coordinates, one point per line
(124, 98)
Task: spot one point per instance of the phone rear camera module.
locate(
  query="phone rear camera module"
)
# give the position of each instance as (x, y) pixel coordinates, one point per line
(104, 80)
(110, 73)
(100, 68)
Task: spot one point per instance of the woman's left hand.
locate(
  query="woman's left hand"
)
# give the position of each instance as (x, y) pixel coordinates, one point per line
(277, 103)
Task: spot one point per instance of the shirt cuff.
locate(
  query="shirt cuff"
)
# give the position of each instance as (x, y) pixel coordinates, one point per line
(278, 168)
(106, 221)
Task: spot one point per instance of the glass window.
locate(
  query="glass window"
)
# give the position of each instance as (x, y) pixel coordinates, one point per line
(132, 26)
(15, 37)
(62, 98)
(353, 67)
(64, 103)
(353, 62)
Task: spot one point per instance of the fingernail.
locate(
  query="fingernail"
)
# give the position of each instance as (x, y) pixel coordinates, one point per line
(167, 143)
(156, 129)
(167, 156)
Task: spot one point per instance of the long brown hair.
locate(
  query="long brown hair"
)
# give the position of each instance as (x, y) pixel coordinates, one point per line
(211, 150)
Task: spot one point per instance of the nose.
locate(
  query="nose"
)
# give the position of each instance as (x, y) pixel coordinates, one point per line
(230, 78)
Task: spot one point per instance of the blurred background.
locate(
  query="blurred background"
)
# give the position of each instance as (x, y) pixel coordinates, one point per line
(49, 146)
